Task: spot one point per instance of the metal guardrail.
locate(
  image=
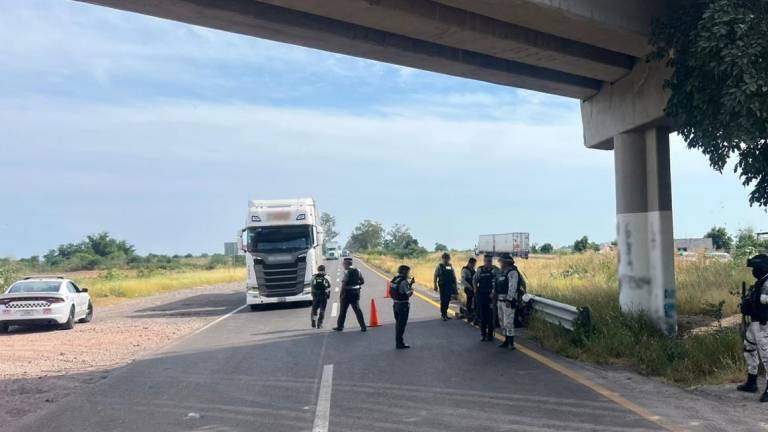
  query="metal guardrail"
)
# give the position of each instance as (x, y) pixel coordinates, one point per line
(558, 313)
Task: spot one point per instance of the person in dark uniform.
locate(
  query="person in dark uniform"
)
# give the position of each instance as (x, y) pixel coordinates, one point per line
(483, 283)
(401, 290)
(350, 295)
(445, 282)
(754, 307)
(467, 282)
(321, 290)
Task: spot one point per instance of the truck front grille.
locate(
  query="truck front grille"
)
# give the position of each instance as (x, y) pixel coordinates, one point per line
(280, 280)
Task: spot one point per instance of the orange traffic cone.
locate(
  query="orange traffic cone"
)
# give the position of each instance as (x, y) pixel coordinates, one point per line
(374, 315)
(389, 286)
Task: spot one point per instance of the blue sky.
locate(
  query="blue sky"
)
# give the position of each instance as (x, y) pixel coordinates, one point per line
(160, 132)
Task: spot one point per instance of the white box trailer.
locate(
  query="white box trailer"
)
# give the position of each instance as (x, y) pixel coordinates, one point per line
(282, 242)
(516, 244)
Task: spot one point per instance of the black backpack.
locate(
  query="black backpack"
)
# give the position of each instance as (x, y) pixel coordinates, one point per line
(354, 277)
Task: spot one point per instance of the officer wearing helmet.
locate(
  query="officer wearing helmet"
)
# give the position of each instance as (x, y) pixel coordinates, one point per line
(754, 307)
(507, 289)
(401, 290)
(483, 284)
(321, 290)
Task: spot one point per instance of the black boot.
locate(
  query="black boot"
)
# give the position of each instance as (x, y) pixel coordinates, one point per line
(314, 325)
(764, 397)
(320, 323)
(505, 344)
(512, 343)
(750, 386)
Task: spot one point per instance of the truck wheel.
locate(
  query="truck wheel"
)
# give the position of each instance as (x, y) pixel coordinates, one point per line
(70, 323)
(255, 308)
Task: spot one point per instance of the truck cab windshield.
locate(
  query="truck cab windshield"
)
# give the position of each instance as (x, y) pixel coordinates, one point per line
(280, 238)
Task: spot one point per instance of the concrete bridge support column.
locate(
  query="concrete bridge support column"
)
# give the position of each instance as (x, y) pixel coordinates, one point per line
(644, 216)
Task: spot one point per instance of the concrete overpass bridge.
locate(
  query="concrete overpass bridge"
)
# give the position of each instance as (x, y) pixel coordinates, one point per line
(591, 50)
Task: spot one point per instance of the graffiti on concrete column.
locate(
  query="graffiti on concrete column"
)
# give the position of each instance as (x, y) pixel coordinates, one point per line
(628, 245)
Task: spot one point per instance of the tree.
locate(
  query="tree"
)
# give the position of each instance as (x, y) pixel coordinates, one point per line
(400, 242)
(583, 244)
(747, 243)
(366, 236)
(328, 224)
(719, 84)
(720, 238)
(546, 248)
(439, 247)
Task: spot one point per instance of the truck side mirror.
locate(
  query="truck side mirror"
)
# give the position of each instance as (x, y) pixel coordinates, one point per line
(240, 243)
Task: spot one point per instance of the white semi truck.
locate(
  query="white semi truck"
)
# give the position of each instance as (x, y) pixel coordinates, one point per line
(282, 242)
(332, 251)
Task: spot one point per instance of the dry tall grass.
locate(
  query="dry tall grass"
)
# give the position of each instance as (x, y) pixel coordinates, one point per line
(128, 286)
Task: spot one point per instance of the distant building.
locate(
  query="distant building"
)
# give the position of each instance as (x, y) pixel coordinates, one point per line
(695, 245)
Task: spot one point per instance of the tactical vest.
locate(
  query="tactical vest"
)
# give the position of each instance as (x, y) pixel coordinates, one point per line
(445, 276)
(756, 309)
(471, 275)
(353, 278)
(485, 280)
(394, 289)
(502, 281)
(318, 284)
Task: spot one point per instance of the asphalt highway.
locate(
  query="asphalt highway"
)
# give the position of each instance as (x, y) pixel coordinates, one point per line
(269, 371)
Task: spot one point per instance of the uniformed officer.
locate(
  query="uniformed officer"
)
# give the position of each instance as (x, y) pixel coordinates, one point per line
(483, 283)
(755, 309)
(467, 278)
(350, 295)
(321, 290)
(445, 282)
(507, 290)
(401, 290)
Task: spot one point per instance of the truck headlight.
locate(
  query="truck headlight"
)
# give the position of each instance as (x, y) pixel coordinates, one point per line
(307, 289)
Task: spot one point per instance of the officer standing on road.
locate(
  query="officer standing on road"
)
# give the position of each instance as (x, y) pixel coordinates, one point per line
(506, 289)
(467, 278)
(350, 295)
(321, 290)
(445, 282)
(401, 290)
(754, 307)
(483, 283)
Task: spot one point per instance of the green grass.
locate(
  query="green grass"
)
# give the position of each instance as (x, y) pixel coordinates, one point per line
(591, 280)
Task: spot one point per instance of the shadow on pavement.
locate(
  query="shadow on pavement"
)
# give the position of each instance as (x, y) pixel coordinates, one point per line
(202, 305)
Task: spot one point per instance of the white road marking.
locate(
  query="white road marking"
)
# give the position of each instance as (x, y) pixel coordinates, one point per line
(219, 319)
(335, 308)
(323, 411)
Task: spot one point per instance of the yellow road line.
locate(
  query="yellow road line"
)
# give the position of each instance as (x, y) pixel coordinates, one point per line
(570, 373)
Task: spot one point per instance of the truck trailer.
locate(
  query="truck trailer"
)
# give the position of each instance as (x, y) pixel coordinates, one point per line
(282, 243)
(516, 244)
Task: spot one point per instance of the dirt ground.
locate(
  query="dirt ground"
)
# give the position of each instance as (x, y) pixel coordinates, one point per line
(39, 366)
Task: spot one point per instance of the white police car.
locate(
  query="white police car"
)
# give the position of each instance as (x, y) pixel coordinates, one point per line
(44, 300)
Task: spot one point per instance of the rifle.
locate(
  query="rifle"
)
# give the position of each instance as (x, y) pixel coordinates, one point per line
(741, 307)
